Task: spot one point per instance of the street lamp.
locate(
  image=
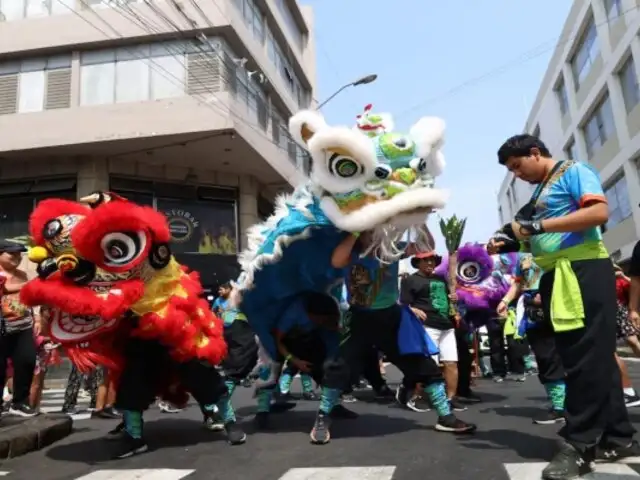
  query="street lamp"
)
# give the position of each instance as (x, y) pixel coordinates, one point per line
(362, 81)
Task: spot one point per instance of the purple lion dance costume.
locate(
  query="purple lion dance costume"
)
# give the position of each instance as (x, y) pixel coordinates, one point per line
(482, 281)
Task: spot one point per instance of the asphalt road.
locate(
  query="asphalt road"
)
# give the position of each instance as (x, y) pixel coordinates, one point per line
(395, 444)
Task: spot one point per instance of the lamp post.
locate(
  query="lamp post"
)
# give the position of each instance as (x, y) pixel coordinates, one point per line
(362, 81)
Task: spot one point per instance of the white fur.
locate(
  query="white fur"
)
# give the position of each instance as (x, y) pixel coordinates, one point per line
(387, 211)
(360, 147)
(310, 119)
(428, 134)
(436, 163)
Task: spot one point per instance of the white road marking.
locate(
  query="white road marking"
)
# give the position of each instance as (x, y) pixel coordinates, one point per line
(339, 473)
(604, 471)
(138, 474)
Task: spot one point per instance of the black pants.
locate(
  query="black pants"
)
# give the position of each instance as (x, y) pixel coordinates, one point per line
(148, 366)
(21, 349)
(465, 361)
(514, 354)
(594, 405)
(379, 329)
(242, 350)
(74, 383)
(543, 344)
(327, 370)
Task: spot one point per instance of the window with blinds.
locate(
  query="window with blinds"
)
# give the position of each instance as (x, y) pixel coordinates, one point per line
(35, 85)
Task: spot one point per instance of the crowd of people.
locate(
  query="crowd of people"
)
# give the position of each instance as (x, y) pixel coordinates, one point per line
(567, 305)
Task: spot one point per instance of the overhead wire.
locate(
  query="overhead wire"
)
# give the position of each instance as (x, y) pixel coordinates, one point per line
(524, 57)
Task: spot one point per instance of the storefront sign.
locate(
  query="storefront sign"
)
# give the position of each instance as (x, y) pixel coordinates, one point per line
(182, 225)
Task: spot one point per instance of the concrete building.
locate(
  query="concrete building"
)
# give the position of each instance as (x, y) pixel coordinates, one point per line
(179, 104)
(588, 109)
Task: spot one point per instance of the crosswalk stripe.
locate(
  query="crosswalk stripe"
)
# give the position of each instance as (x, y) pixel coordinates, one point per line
(604, 471)
(138, 474)
(339, 473)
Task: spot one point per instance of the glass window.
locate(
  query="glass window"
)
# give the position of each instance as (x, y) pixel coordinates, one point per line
(563, 100)
(14, 216)
(571, 150)
(31, 91)
(587, 52)
(36, 8)
(613, 8)
(599, 127)
(167, 77)
(97, 84)
(618, 200)
(290, 24)
(12, 9)
(201, 227)
(629, 83)
(59, 7)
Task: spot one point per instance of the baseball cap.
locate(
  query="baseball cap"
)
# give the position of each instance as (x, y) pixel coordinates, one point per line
(10, 246)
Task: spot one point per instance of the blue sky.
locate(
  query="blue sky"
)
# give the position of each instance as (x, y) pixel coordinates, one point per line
(424, 49)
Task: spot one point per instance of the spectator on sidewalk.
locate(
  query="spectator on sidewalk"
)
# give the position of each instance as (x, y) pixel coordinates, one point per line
(17, 327)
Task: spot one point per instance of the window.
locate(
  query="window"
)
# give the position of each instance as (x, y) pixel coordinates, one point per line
(134, 74)
(613, 9)
(200, 227)
(35, 85)
(561, 95)
(629, 83)
(618, 200)
(17, 201)
(291, 24)
(571, 151)
(587, 52)
(18, 9)
(599, 127)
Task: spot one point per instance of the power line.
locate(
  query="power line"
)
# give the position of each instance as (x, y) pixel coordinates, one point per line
(524, 57)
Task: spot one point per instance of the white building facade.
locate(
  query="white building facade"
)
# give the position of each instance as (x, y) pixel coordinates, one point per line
(588, 109)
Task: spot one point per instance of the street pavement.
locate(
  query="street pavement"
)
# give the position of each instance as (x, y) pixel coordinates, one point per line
(385, 443)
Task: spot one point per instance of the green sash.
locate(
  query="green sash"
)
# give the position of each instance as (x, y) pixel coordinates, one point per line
(567, 308)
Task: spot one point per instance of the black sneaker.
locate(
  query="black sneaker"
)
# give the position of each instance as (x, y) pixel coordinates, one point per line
(450, 423)
(612, 453)
(129, 446)
(70, 411)
(456, 406)
(107, 413)
(384, 393)
(418, 404)
(348, 398)
(567, 464)
(320, 434)
(117, 433)
(235, 435)
(468, 398)
(631, 400)
(550, 417)
(22, 410)
(311, 396)
(342, 412)
(213, 422)
(262, 420)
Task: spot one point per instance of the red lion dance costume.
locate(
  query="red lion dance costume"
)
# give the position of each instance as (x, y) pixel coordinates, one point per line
(115, 296)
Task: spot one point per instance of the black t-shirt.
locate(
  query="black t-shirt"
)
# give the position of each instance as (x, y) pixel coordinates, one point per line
(634, 264)
(429, 294)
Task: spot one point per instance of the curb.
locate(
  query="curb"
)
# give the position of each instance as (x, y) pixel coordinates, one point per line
(28, 435)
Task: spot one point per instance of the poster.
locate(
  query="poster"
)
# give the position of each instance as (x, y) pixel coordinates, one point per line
(207, 228)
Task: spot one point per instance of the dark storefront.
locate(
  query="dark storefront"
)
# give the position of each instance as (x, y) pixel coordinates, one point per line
(203, 222)
(18, 198)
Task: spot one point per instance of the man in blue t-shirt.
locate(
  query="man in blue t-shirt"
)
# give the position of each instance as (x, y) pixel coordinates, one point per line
(561, 226)
(375, 318)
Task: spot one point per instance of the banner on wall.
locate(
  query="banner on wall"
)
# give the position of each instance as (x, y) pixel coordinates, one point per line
(202, 228)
